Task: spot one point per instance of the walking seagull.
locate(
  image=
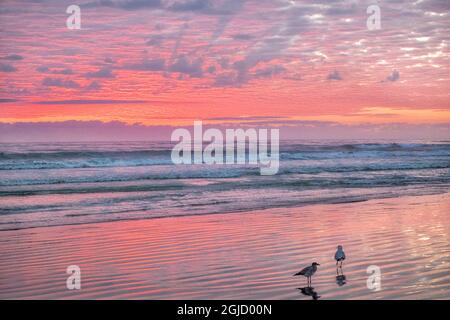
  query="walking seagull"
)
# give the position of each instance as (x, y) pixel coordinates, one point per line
(308, 272)
(339, 256)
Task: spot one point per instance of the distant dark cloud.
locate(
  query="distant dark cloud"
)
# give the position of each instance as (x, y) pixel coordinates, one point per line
(155, 40)
(93, 86)
(56, 82)
(119, 131)
(228, 79)
(81, 131)
(185, 66)
(213, 7)
(394, 76)
(190, 5)
(269, 71)
(65, 71)
(342, 9)
(335, 75)
(434, 5)
(103, 73)
(247, 118)
(242, 36)
(81, 102)
(43, 69)
(13, 57)
(240, 76)
(109, 60)
(127, 4)
(147, 65)
(49, 70)
(211, 69)
(7, 68)
(5, 100)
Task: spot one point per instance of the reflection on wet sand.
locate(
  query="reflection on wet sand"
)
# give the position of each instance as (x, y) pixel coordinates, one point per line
(240, 256)
(309, 291)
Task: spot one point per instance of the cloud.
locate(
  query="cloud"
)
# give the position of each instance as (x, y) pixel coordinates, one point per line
(242, 37)
(342, 9)
(147, 65)
(127, 4)
(6, 100)
(241, 76)
(56, 82)
(119, 131)
(269, 71)
(213, 7)
(394, 76)
(155, 40)
(82, 102)
(103, 73)
(81, 131)
(228, 79)
(191, 68)
(334, 75)
(7, 68)
(93, 86)
(274, 44)
(190, 5)
(435, 5)
(211, 69)
(49, 70)
(247, 118)
(13, 57)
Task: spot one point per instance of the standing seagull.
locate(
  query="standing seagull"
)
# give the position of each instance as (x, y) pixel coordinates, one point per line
(339, 256)
(308, 272)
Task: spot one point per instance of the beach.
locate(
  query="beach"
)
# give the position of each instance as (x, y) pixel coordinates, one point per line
(245, 255)
(217, 150)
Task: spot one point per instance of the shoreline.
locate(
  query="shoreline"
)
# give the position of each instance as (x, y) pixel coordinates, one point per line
(243, 211)
(238, 256)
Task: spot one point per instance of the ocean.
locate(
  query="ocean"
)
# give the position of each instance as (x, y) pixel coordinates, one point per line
(49, 184)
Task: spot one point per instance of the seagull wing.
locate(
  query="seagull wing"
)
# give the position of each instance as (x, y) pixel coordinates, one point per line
(302, 272)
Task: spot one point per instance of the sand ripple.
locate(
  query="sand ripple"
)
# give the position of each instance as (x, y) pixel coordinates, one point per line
(239, 256)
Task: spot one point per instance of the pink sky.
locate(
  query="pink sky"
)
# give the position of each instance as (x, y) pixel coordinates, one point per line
(169, 62)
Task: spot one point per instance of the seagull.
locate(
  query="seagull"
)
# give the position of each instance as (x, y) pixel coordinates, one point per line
(339, 256)
(308, 272)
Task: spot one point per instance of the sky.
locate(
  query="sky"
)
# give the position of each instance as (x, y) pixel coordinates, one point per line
(139, 68)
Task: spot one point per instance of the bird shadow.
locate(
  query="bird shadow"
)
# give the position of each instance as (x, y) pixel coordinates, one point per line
(341, 279)
(309, 291)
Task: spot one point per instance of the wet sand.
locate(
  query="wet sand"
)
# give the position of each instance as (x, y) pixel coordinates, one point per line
(250, 255)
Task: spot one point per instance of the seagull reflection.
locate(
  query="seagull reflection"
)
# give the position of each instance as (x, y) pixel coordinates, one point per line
(309, 291)
(341, 280)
